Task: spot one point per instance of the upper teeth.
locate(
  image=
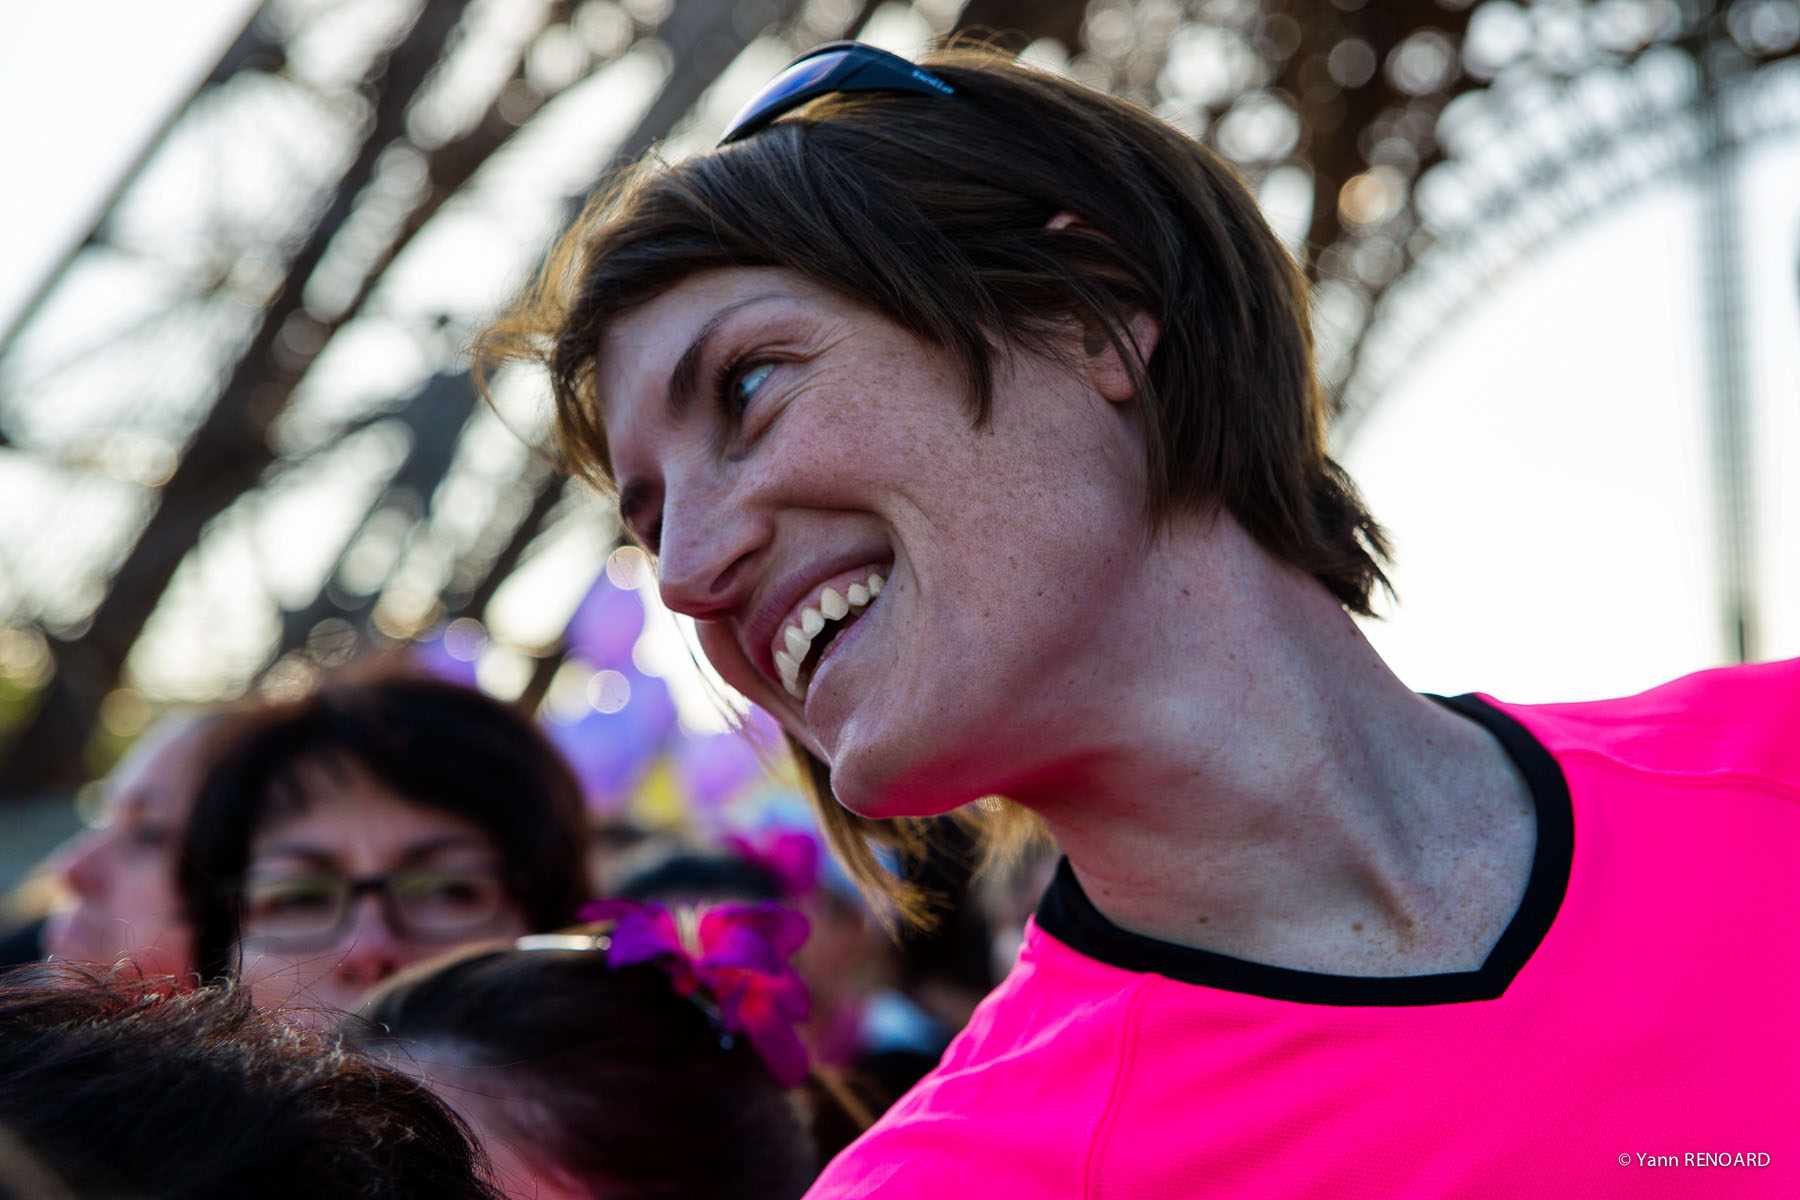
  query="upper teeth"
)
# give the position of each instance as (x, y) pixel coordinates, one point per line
(829, 605)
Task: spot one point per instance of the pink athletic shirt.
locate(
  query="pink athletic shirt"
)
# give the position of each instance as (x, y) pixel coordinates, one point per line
(1635, 1032)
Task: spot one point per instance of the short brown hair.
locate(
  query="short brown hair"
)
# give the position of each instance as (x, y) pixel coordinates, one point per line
(436, 744)
(935, 213)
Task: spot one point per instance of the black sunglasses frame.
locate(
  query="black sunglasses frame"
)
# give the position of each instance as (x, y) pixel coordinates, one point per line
(859, 67)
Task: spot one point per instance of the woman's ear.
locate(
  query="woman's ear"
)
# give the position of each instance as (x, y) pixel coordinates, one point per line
(1110, 374)
(1108, 371)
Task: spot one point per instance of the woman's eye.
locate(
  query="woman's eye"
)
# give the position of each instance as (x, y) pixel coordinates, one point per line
(288, 897)
(434, 892)
(152, 837)
(743, 384)
(448, 891)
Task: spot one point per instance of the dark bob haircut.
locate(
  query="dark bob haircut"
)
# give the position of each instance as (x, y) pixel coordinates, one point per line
(435, 744)
(936, 213)
(631, 1091)
(124, 1087)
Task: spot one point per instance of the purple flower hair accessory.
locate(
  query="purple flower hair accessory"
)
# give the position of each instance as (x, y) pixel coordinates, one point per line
(790, 856)
(731, 960)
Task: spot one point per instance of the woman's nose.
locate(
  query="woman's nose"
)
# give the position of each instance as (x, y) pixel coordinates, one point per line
(370, 950)
(80, 863)
(706, 550)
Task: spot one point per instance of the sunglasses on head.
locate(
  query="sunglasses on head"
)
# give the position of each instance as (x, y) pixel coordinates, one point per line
(833, 67)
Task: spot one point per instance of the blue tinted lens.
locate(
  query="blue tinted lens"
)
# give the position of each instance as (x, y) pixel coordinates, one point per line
(834, 67)
(797, 78)
(785, 91)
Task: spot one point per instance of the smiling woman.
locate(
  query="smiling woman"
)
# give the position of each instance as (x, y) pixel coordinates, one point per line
(938, 247)
(921, 522)
(1026, 367)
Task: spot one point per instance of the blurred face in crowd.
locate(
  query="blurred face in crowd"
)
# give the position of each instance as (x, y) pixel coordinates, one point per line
(358, 882)
(121, 876)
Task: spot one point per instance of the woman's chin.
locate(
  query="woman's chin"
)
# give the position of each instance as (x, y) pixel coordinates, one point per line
(884, 797)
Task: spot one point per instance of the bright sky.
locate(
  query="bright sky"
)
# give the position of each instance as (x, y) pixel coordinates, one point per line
(1542, 468)
(84, 85)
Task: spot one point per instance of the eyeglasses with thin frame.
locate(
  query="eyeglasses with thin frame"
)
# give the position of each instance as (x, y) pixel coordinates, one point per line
(832, 67)
(311, 910)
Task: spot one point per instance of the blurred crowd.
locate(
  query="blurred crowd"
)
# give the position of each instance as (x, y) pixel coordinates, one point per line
(395, 880)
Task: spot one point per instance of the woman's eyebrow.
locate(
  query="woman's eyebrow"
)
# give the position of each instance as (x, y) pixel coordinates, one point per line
(685, 378)
(316, 856)
(311, 856)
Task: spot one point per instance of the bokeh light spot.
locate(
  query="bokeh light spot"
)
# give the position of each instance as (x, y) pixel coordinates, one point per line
(629, 567)
(1372, 197)
(608, 691)
(464, 639)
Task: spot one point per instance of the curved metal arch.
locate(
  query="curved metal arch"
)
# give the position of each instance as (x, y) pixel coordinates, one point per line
(1535, 212)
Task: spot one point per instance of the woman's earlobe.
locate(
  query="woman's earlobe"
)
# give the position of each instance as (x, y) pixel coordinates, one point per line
(1111, 375)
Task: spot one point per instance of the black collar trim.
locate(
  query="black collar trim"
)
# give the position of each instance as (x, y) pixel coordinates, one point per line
(1069, 916)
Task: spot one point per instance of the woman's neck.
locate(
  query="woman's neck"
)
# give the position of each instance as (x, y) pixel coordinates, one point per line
(1263, 786)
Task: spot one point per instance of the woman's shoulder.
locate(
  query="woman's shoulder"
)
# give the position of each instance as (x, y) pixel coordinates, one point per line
(1735, 720)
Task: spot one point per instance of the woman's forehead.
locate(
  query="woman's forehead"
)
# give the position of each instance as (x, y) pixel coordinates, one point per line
(340, 800)
(655, 333)
(435, 837)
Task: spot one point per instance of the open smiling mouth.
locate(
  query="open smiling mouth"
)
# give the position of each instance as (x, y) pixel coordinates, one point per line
(804, 642)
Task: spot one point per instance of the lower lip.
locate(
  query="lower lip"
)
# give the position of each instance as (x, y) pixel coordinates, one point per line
(833, 651)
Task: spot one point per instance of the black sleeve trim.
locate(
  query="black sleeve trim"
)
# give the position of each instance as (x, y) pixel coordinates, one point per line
(1068, 915)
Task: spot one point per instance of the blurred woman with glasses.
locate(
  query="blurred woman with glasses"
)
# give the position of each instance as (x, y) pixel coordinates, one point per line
(370, 825)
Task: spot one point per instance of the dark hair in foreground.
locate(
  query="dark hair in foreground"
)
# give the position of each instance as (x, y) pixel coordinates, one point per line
(126, 1087)
(436, 744)
(630, 1090)
(695, 877)
(934, 212)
